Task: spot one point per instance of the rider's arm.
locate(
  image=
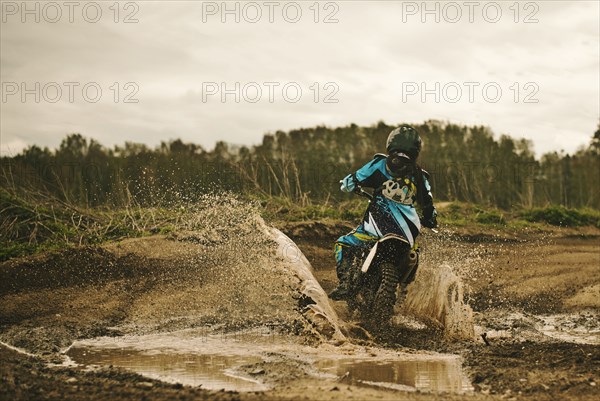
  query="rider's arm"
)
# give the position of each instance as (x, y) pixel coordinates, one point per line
(368, 176)
(349, 183)
(429, 212)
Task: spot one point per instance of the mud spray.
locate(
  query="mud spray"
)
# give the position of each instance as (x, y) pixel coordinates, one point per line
(235, 273)
(244, 274)
(437, 295)
(257, 276)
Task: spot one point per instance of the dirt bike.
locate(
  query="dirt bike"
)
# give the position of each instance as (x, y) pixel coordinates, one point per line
(377, 272)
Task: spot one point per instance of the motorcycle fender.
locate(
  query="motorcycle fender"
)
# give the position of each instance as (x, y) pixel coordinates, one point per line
(373, 252)
(369, 259)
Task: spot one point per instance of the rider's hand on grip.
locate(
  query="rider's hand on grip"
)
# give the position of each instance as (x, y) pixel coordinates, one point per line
(429, 223)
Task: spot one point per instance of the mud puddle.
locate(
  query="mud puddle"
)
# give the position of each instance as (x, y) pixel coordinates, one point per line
(213, 372)
(190, 357)
(260, 361)
(577, 328)
(581, 328)
(434, 375)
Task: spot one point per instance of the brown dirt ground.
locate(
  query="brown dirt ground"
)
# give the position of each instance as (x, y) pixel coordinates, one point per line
(47, 301)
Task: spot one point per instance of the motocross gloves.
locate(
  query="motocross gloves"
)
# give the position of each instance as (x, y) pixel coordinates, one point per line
(429, 219)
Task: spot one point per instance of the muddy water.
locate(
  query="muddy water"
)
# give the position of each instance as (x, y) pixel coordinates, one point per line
(252, 361)
(438, 375)
(209, 371)
(437, 294)
(579, 328)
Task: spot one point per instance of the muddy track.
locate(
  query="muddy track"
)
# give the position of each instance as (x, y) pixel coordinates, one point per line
(533, 275)
(49, 301)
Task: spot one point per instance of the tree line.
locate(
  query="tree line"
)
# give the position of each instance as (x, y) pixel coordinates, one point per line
(466, 163)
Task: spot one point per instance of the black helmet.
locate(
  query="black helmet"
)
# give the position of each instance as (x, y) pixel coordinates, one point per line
(404, 139)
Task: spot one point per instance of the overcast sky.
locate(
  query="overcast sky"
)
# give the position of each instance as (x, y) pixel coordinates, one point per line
(371, 62)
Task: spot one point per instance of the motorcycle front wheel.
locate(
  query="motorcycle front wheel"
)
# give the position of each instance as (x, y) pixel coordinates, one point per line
(385, 297)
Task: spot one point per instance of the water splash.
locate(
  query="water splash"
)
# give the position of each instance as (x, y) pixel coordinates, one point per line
(437, 294)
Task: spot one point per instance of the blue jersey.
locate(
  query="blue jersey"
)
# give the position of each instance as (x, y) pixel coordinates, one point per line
(392, 210)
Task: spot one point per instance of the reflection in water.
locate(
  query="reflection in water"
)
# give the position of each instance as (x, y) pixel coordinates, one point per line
(442, 375)
(229, 362)
(210, 371)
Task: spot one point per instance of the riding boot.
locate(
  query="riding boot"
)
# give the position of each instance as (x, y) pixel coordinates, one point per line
(344, 272)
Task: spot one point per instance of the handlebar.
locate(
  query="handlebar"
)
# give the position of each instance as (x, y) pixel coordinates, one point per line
(361, 192)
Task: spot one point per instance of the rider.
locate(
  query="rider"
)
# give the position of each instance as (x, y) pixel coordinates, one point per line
(398, 183)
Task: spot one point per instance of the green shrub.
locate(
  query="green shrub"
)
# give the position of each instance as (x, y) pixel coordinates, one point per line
(457, 212)
(490, 217)
(562, 216)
